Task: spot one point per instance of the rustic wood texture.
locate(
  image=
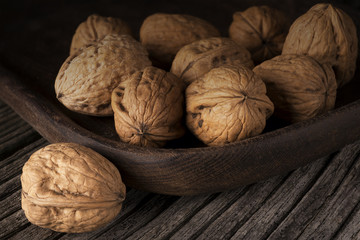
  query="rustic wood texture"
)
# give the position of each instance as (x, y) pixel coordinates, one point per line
(318, 201)
(31, 58)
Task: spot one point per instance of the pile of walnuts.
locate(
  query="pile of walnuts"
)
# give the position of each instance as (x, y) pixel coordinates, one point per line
(182, 76)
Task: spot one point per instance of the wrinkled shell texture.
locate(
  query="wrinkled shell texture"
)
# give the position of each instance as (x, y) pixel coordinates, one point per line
(85, 81)
(197, 58)
(261, 29)
(95, 28)
(226, 105)
(164, 34)
(299, 86)
(70, 188)
(148, 108)
(329, 35)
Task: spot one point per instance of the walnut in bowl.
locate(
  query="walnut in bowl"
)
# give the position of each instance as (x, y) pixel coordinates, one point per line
(261, 29)
(95, 28)
(327, 34)
(86, 79)
(300, 87)
(227, 104)
(164, 34)
(197, 58)
(148, 108)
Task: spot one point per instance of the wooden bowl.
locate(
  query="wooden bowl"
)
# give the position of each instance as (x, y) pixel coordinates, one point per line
(183, 167)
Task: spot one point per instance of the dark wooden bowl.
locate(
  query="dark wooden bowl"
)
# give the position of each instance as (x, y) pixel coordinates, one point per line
(37, 41)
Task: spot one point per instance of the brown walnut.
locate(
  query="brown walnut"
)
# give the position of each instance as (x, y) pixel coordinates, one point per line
(148, 108)
(164, 34)
(70, 188)
(86, 79)
(95, 28)
(226, 105)
(327, 34)
(261, 29)
(299, 86)
(197, 58)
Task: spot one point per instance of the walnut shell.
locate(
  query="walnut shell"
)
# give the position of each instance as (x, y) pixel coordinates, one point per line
(70, 188)
(299, 86)
(164, 34)
(261, 29)
(327, 34)
(95, 28)
(226, 105)
(148, 108)
(86, 79)
(197, 58)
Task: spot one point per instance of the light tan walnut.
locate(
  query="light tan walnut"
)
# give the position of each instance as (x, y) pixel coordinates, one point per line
(95, 28)
(327, 34)
(148, 108)
(261, 29)
(226, 105)
(86, 79)
(67, 187)
(197, 58)
(299, 86)
(164, 34)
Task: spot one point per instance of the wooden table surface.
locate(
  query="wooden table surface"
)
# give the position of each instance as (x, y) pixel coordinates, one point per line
(318, 201)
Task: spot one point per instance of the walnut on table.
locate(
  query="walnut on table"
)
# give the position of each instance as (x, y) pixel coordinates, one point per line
(327, 34)
(95, 28)
(299, 86)
(227, 104)
(197, 58)
(70, 188)
(86, 79)
(164, 34)
(148, 108)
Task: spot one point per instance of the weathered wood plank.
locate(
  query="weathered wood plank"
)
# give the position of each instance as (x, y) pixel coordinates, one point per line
(12, 224)
(278, 205)
(144, 213)
(34, 232)
(228, 209)
(351, 228)
(10, 186)
(337, 207)
(178, 213)
(18, 139)
(15, 133)
(10, 205)
(308, 213)
(12, 165)
(9, 118)
(23, 153)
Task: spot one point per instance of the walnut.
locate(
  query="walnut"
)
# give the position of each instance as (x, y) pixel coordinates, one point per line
(197, 58)
(227, 104)
(299, 86)
(327, 34)
(148, 108)
(86, 79)
(95, 28)
(164, 34)
(70, 188)
(261, 29)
